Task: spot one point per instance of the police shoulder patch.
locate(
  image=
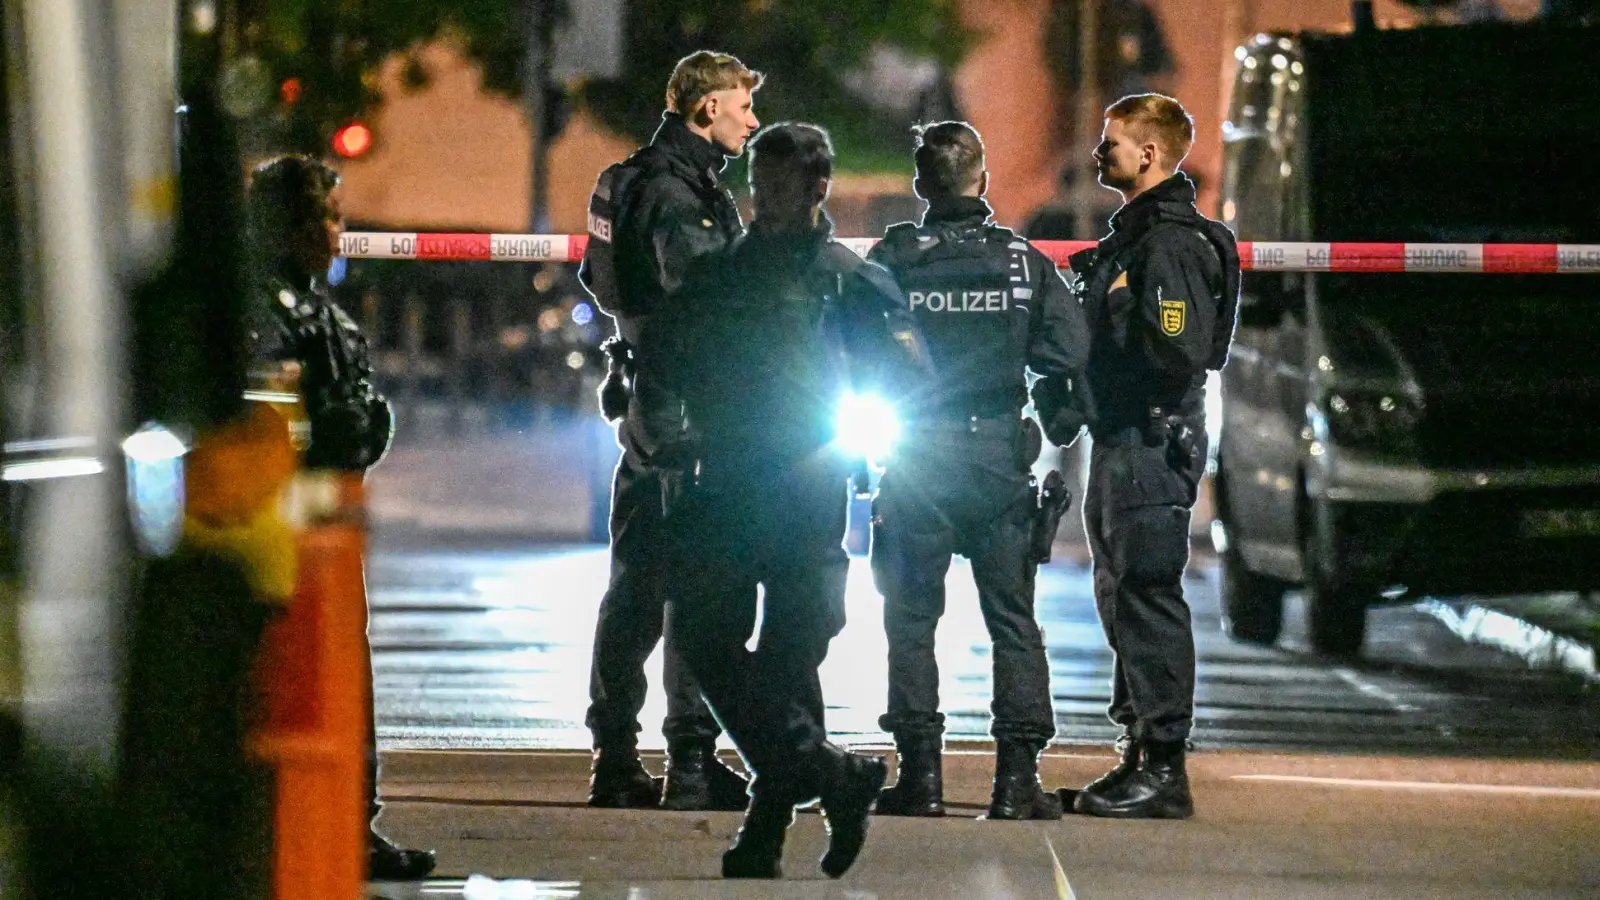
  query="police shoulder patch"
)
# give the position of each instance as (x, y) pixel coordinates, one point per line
(1172, 317)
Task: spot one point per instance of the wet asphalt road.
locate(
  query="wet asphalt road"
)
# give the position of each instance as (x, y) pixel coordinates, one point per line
(489, 648)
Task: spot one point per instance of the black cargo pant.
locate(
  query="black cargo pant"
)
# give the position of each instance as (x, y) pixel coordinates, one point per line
(1136, 512)
(960, 489)
(776, 541)
(633, 619)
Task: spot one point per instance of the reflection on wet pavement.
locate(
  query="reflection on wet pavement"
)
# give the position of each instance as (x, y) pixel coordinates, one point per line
(490, 649)
(479, 887)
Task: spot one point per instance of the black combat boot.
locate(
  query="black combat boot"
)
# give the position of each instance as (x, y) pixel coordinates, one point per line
(698, 780)
(849, 786)
(387, 861)
(1157, 789)
(1130, 749)
(1017, 792)
(919, 787)
(619, 780)
(757, 850)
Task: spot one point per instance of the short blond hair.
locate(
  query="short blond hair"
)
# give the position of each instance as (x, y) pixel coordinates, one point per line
(1160, 118)
(702, 73)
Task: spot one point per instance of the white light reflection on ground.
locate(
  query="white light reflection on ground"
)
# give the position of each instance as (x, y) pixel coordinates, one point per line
(530, 627)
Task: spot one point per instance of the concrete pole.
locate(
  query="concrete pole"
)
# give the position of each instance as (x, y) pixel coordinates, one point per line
(536, 75)
(1089, 118)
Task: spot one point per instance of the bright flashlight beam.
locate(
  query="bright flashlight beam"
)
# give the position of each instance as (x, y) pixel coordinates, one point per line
(867, 426)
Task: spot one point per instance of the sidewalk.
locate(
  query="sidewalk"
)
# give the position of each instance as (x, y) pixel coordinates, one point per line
(1270, 825)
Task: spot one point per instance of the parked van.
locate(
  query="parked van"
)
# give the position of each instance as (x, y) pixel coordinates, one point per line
(1386, 436)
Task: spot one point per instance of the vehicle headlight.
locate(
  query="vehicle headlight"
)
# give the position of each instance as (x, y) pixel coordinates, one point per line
(866, 426)
(1384, 422)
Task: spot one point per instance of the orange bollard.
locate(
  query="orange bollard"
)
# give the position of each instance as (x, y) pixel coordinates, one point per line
(313, 679)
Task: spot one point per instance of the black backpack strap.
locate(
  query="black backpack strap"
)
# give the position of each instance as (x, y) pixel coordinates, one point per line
(999, 233)
(1221, 239)
(899, 244)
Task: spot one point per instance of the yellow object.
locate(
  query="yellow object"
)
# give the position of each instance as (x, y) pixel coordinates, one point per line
(264, 546)
(235, 482)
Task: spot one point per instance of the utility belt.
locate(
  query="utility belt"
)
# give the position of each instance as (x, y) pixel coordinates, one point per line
(946, 422)
(1047, 502)
(998, 403)
(1163, 426)
(1021, 432)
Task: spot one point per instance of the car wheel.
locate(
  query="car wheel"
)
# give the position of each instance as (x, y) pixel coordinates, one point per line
(1336, 612)
(1252, 605)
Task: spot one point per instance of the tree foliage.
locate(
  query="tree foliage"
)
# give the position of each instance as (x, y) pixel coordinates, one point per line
(805, 47)
(333, 49)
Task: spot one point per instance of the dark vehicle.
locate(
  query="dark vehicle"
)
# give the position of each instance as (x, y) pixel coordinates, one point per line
(1391, 435)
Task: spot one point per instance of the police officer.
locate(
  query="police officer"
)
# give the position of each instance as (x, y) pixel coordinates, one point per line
(786, 320)
(1161, 295)
(649, 218)
(991, 307)
(294, 223)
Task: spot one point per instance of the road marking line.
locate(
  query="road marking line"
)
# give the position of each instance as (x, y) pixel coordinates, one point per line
(1063, 887)
(1372, 690)
(1513, 789)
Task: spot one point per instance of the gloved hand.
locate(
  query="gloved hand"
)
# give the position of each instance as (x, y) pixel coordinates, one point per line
(1061, 410)
(614, 395)
(615, 390)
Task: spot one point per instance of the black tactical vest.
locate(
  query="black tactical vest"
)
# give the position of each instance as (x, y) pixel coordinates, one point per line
(970, 289)
(606, 206)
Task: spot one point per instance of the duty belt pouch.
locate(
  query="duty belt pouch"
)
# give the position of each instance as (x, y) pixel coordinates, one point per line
(1142, 476)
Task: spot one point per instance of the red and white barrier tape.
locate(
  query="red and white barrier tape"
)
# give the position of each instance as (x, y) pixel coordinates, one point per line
(1258, 256)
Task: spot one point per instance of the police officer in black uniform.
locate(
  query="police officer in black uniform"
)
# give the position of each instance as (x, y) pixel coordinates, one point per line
(1161, 295)
(764, 341)
(991, 307)
(294, 223)
(649, 218)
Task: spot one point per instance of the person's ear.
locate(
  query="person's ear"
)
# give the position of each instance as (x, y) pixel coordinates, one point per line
(707, 111)
(824, 185)
(983, 183)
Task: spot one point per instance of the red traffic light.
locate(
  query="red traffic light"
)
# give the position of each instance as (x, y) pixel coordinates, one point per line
(352, 140)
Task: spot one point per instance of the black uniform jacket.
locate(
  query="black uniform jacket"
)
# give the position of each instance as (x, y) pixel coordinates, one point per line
(1161, 296)
(295, 319)
(767, 337)
(677, 212)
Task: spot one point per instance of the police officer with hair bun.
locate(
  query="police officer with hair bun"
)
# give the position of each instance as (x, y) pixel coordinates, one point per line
(991, 308)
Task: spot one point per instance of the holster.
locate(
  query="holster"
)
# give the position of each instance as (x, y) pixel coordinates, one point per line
(1163, 427)
(1054, 499)
(678, 467)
